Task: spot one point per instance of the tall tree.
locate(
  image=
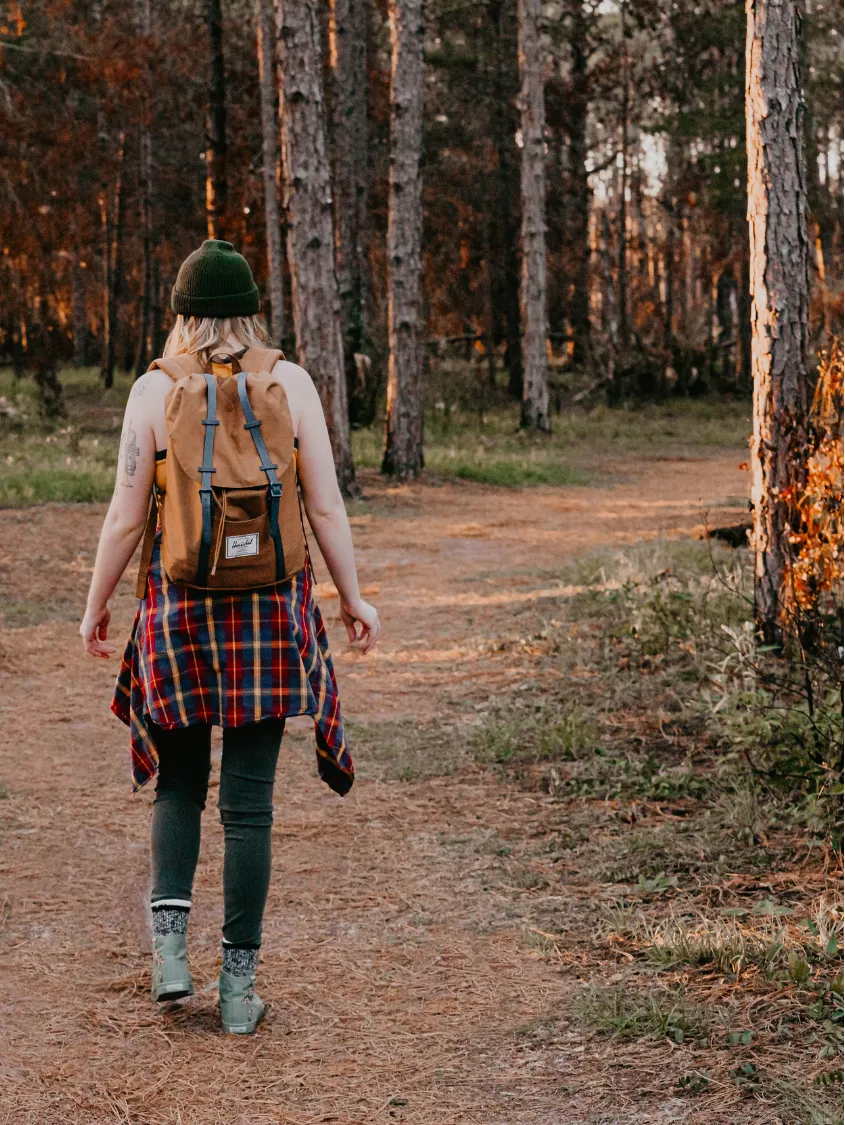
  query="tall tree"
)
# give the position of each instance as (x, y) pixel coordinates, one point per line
(216, 146)
(622, 247)
(779, 286)
(535, 393)
(578, 227)
(505, 189)
(143, 356)
(348, 20)
(265, 36)
(308, 204)
(403, 455)
(111, 213)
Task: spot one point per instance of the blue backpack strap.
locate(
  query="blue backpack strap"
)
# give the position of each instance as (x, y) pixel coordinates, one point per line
(254, 426)
(205, 470)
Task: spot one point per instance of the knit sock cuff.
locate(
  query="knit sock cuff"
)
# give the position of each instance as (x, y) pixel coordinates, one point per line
(238, 961)
(169, 919)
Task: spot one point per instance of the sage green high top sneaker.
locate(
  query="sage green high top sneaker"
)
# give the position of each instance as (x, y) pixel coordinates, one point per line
(171, 975)
(241, 1009)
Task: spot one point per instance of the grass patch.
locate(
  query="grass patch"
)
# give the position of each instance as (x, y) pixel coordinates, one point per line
(779, 940)
(630, 1014)
(66, 485)
(405, 750)
(464, 444)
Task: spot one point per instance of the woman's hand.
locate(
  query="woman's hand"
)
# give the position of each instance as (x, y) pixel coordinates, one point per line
(94, 630)
(365, 615)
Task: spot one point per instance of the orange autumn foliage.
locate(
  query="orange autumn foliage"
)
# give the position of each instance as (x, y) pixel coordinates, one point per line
(817, 561)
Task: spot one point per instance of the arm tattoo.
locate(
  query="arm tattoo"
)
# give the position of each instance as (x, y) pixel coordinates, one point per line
(130, 455)
(140, 386)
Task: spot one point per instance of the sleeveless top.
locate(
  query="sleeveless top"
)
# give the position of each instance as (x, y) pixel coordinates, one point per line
(228, 659)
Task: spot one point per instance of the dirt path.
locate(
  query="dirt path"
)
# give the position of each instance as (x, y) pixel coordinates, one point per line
(396, 955)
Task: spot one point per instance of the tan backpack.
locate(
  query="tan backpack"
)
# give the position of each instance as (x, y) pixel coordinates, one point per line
(229, 514)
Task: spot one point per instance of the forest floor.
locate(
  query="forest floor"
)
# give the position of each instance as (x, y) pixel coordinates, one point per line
(498, 924)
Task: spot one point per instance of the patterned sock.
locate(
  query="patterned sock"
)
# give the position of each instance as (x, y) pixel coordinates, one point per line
(170, 919)
(238, 961)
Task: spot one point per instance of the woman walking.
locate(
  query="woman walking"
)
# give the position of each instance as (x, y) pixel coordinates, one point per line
(220, 431)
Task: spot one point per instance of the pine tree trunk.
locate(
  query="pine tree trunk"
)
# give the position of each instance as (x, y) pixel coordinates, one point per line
(535, 394)
(579, 222)
(80, 317)
(403, 452)
(348, 21)
(112, 227)
(216, 184)
(779, 287)
(265, 39)
(608, 307)
(505, 243)
(308, 205)
(44, 360)
(669, 284)
(622, 248)
(142, 357)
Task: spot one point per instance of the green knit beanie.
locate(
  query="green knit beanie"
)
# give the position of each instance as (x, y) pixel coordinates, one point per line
(215, 281)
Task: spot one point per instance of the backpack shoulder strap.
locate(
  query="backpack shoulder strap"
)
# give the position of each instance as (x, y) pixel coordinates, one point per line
(147, 547)
(260, 361)
(176, 366)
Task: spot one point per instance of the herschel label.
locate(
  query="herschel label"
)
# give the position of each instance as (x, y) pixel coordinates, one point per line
(238, 546)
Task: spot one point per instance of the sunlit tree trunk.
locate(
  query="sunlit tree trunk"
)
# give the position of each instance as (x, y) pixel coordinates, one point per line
(535, 393)
(265, 37)
(403, 453)
(216, 185)
(348, 20)
(308, 204)
(779, 288)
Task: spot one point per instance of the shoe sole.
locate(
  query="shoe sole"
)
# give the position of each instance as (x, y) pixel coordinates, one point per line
(175, 991)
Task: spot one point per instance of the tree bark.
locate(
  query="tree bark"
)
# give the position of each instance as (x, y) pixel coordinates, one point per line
(609, 312)
(535, 393)
(112, 227)
(403, 451)
(779, 257)
(579, 222)
(622, 266)
(348, 20)
(265, 36)
(145, 318)
(42, 355)
(145, 27)
(308, 205)
(80, 317)
(505, 244)
(216, 183)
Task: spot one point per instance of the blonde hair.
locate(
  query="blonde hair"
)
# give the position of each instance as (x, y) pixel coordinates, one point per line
(203, 336)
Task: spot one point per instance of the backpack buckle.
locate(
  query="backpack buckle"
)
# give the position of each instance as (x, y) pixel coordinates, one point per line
(208, 422)
(253, 425)
(275, 490)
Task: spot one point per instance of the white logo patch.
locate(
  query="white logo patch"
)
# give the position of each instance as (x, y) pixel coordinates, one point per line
(237, 546)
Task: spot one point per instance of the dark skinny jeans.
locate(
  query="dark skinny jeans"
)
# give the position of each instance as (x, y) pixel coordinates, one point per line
(247, 771)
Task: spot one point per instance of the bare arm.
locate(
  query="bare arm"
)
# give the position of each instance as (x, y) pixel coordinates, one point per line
(327, 515)
(124, 522)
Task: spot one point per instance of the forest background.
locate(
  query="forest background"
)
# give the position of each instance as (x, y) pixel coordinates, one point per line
(510, 241)
(132, 130)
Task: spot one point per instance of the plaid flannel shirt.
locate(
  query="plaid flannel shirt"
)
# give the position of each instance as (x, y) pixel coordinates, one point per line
(229, 659)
